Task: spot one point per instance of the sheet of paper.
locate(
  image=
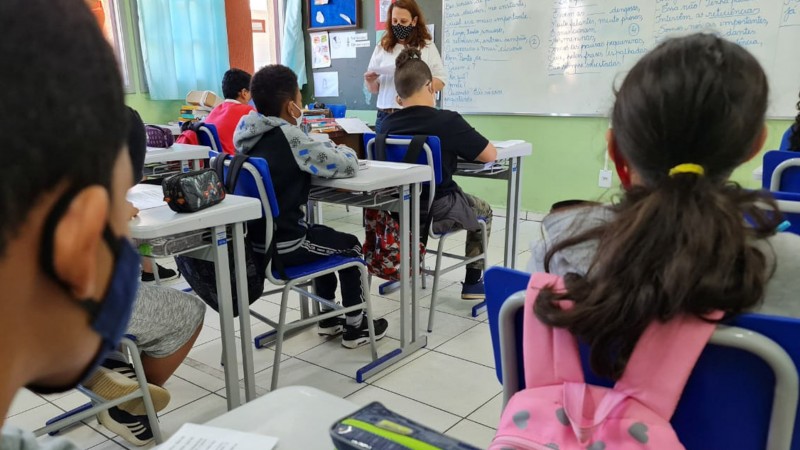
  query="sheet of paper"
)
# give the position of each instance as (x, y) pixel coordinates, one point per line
(320, 50)
(507, 144)
(382, 70)
(326, 84)
(343, 45)
(354, 126)
(146, 198)
(202, 437)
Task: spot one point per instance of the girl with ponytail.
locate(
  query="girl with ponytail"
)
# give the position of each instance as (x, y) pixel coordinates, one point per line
(682, 239)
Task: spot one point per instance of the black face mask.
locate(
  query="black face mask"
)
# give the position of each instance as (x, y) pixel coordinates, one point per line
(402, 32)
(108, 317)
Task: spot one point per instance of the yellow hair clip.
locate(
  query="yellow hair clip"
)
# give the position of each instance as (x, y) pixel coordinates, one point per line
(687, 168)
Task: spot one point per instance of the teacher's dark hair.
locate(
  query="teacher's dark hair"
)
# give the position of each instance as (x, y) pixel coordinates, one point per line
(411, 73)
(420, 35)
(677, 244)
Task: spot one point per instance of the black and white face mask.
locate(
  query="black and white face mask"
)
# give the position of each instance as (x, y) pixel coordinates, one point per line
(402, 32)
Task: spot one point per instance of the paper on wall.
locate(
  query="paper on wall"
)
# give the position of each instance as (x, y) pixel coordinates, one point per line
(320, 50)
(202, 437)
(343, 45)
(326, 84)
(362, 40)
(354, 126)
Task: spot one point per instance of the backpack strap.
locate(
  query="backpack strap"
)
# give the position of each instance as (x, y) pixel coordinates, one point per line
(550, 354)
(380, 147)
(663, 359)
(233, 171)
(415, 148)
(219, 166)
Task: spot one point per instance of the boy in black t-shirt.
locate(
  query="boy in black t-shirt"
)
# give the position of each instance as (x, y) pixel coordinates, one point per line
(452, 208)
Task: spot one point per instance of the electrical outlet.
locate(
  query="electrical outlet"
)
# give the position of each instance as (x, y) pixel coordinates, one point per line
(605, 178)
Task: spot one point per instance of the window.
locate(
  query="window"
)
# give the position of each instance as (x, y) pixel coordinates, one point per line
(266, 32)
(115, 20)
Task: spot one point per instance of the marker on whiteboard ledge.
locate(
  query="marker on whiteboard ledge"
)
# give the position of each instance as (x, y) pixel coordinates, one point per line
(783, 226)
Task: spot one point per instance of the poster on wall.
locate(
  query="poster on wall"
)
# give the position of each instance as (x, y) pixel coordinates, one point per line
(320, 50)
(343, 45)
(381, 13)
(333, 14)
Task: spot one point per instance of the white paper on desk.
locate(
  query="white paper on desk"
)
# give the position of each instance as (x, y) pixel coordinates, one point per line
(343, 45)
(507, 144)
(326, 84)
(146, 198)
(354, 126)
(202, 437)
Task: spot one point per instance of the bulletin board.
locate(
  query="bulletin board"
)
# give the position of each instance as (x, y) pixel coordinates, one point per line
(333, 14)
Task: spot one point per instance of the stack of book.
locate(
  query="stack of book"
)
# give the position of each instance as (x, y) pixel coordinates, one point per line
(321, 125)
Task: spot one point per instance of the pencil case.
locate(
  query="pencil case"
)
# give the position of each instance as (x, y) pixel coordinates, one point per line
(193, 191)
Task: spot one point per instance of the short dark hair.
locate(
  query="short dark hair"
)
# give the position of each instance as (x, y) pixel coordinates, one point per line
(411, 73)
(64, 120)
(137, 143)
(233, 82)
(271, 87)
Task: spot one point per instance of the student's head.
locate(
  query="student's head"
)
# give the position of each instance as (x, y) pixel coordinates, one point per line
(63, 210)
(236, 85)
(275, 92)
(413, 79)
(686, 115)
(405, 24)
(137, 143)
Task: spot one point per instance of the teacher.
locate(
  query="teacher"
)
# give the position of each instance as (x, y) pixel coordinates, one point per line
(405, 27)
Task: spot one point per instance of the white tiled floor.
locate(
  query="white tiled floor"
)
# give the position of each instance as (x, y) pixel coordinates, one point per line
(450, 386)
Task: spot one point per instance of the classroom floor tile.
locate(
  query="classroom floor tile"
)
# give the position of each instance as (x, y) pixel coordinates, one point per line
(450, 385)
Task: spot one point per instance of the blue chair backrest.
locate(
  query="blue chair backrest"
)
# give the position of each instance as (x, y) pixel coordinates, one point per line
(786, 141)
(247, 186)
(789, 179)
(728, 399)
(397, 153)
(212, 141)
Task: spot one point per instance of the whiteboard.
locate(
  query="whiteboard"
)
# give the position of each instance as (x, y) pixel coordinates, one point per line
(563, 57)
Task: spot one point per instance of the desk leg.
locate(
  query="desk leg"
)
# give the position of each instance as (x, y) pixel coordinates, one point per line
(514, 182)
(405, 195)
(197, 164)
(244, 311)
(226, 317)
(415, 200)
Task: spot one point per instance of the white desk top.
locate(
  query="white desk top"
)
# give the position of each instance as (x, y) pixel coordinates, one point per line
(162, 221)
(518, 149)
(178, 152)
(298, 416)
(379, 175)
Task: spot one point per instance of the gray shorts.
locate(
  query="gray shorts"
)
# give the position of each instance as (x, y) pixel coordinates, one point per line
(164, 319)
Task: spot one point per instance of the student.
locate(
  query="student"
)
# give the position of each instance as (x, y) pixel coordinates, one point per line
(791, 139)
(67, 268)
(406, 28)
(677, 242)
(274, 134)
(226, 115)
(452, 208)
(165, 323)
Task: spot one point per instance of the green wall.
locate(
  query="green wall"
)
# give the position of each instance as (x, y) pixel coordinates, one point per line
(568, 154)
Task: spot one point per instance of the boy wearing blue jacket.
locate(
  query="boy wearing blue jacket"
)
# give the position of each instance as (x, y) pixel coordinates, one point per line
(273, 133)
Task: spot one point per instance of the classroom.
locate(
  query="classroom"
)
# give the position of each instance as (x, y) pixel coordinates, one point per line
(459, 224)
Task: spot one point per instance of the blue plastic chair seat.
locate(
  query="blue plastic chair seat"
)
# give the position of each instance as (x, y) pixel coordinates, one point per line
(304, 270)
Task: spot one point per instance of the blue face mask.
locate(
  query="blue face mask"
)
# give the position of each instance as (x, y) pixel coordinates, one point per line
(109, 316)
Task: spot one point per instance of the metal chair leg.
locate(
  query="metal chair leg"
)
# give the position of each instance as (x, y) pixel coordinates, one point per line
(276, 365)
(369, 317)
(435, 288)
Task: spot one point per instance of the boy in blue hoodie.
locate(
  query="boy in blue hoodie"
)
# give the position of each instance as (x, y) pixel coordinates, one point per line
(274, 134)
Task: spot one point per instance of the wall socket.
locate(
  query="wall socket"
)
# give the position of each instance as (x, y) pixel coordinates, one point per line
(605, 178)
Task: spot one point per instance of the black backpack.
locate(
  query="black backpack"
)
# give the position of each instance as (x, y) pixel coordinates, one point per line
(201, 274)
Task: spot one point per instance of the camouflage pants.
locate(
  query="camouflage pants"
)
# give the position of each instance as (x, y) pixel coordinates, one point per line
(474, 238)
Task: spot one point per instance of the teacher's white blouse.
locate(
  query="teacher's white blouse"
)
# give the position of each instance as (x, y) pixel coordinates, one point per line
(381, 59)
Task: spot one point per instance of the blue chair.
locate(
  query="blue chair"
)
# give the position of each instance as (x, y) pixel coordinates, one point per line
(207, 135)
(255, 181)
(98, 404)
(396, 148)
(741, 395)
(781, 176)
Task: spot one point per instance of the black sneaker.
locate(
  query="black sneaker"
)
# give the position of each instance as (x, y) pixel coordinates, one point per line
(115, 379)
(134, 429)
(331, 326)
(164, 274)
(357, 336)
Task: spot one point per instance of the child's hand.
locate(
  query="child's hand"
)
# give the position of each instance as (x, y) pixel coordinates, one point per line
(134, 211)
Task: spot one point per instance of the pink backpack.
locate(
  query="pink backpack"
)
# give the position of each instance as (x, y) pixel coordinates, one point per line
(558, 411)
